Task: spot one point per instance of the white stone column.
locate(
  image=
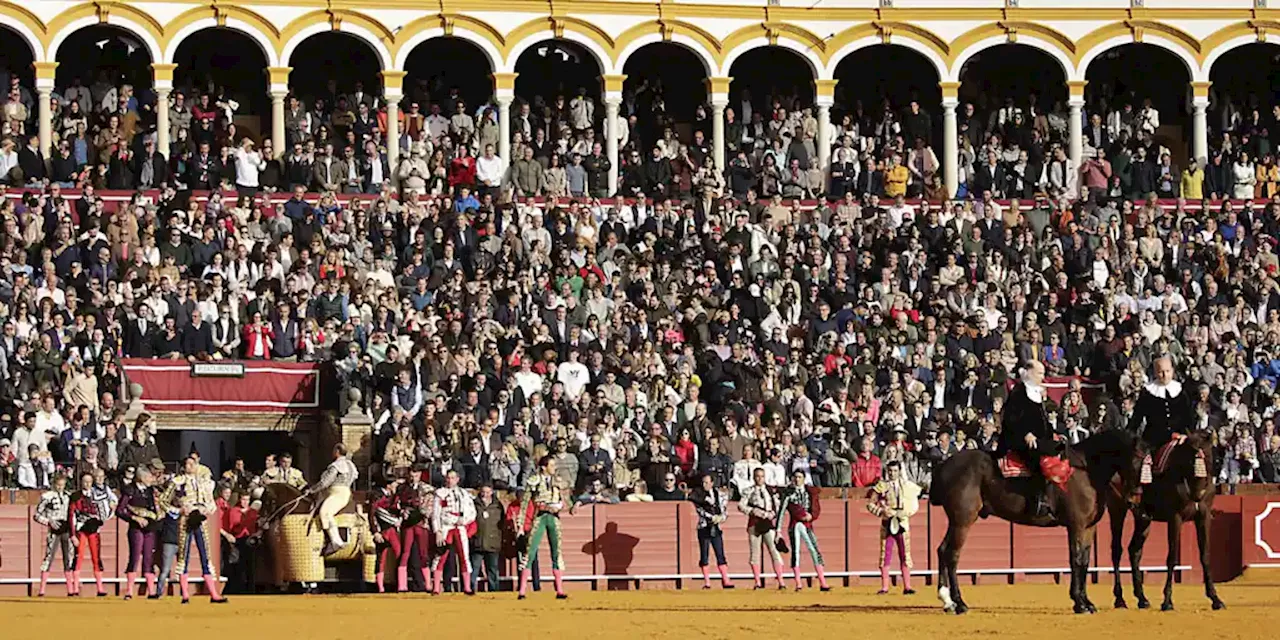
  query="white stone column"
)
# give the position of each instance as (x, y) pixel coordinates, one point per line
(1199, 121)
(823, 139)
(1200, 129)
(718, 92)
(1075, 129)
(393, 130)
(824, 96)
(504, 126)
(1075, 120)
(46, 74)
(504, 94)
(45, 117)
(278, 89)
(278, 139)
(950, 147)
(162, 121)
(718, 141)
(612, 104)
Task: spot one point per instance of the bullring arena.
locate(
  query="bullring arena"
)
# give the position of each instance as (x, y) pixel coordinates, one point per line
(631, 569)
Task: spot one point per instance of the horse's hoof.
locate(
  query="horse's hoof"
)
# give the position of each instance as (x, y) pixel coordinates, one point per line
(1167, 606)
(950, 608)
(1081, 609)
(1219, 605)
(961, 608)
(1143, 603)
(1089, 606)
(1121, 604)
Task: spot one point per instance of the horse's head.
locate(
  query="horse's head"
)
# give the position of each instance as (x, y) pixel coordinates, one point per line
(279, 499)
(1115, 453)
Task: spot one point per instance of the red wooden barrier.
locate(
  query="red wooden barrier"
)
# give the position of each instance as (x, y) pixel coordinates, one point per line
(631, 546)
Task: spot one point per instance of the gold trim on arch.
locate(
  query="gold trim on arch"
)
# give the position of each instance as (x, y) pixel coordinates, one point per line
(335, 17)
(101, 10)
(221, 13)
(885, 29)
(668, 27)
(449, 23)
(557, 25)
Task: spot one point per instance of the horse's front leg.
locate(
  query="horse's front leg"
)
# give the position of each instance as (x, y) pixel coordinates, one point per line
(1117, 513)
(1203, 520)
(1141, 528)
(1171, 560)
(1084, 549)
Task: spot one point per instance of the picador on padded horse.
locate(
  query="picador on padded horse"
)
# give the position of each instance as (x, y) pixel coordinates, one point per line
(1025, 430)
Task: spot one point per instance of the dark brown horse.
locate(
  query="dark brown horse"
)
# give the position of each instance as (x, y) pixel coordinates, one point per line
(1181, 493)
(970, 485)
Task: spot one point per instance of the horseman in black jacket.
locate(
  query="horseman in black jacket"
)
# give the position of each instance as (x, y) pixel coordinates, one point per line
(1025, 429)
(1163, 413)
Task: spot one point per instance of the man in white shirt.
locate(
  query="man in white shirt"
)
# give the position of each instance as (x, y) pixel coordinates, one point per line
(248, 163)
(490, 169)
(437, 125)
(48, 421)
(573, 375)
(528, 381)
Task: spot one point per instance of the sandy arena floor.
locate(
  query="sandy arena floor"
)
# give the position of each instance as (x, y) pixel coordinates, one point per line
(1017, 611)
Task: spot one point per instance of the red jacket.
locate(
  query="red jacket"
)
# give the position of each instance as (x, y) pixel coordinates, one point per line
(866, 470)
(462, 171)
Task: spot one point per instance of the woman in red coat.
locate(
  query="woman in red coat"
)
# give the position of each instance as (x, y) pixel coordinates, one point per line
(686, 454)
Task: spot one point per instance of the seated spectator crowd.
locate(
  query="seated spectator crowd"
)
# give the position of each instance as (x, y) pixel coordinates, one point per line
(709, 322)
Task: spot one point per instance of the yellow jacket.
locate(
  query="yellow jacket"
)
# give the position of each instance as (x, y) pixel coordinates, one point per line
(1192, 184)
(895, 181)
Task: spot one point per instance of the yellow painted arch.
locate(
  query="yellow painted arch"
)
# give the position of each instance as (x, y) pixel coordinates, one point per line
(256, 27)
(706, 46)
(921, 40)
(1031, 34)
(60, 28)
(456, 23)
(803, 42)
(525, 36)
(1178, 42)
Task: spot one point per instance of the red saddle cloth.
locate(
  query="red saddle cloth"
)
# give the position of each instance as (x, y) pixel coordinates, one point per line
(1163, 454)
(1054, 469)
(1013, 466)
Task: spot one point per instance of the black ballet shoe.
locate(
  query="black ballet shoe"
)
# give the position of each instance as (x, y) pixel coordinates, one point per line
(705, 587)
(562, 596)
(520, 597)
(128, 597)
(726, 586)
(221, 600)
(908, 592)
(102, 594)
(824, 589)
(153, 596)
(186, 600)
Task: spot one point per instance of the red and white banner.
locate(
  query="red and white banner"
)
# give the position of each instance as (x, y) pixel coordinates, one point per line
(265, 387)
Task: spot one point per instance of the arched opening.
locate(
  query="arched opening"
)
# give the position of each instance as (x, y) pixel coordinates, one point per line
(1009, 79)
(329, 65)
(1245, 79)
(552, 74)
(889, 77)
(767, 76)
(102, 57)
(227, 66)
(665, 86)
(1124, 78)
(445, 69)
(16, 59)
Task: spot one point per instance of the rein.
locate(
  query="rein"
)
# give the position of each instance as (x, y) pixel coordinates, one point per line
(285, 508)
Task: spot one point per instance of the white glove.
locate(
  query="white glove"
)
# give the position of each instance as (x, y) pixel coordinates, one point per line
(1030, 440)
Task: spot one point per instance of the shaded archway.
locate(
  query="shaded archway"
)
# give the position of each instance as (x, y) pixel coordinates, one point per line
(1132, 73)
(768, 75)
(327, 66)
(16, 59)
(103, 56)
(1029, 78)
(666, 82)
(557, 68)
(1244, 79)
(441, 67)
(225, 63)
(882, 77)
